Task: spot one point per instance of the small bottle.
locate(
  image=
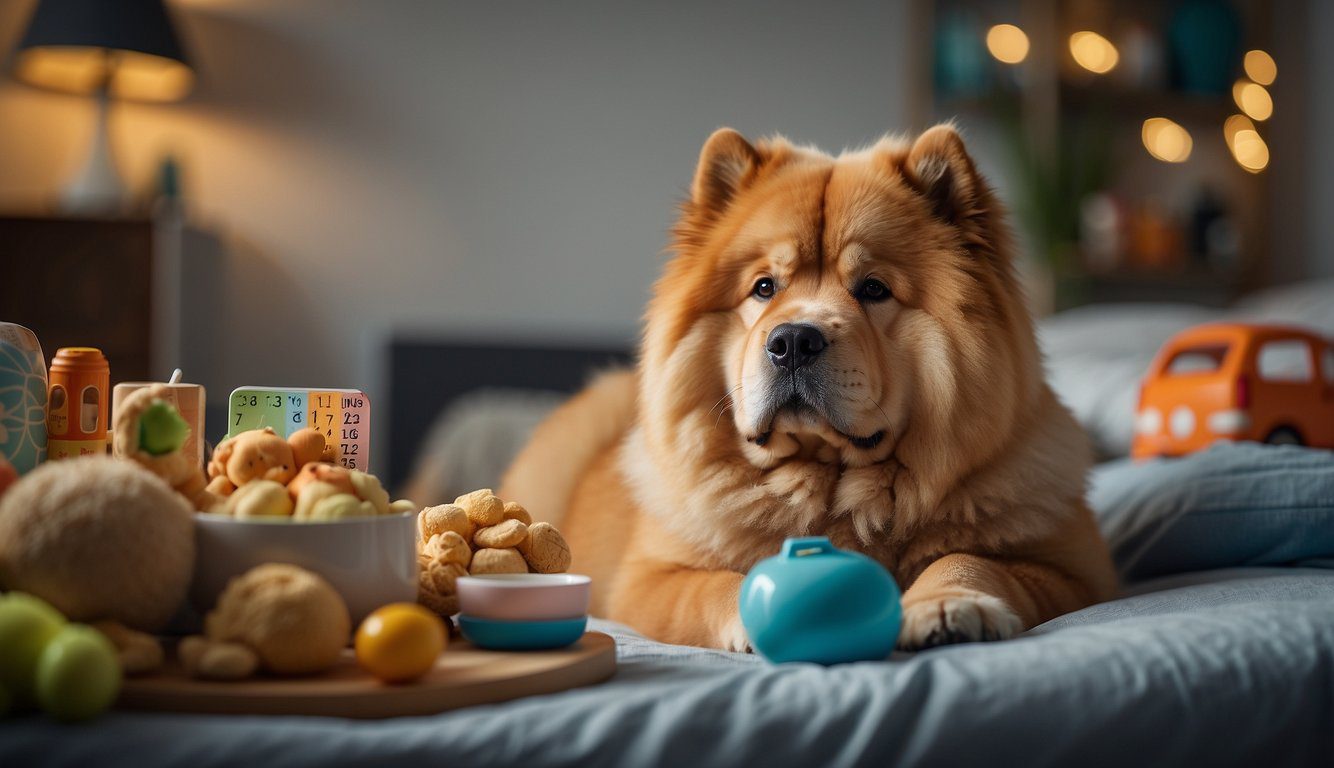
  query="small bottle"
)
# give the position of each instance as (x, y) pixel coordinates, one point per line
(76, 421)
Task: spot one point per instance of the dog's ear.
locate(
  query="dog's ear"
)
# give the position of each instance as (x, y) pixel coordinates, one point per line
(726, 164)
(939, 168)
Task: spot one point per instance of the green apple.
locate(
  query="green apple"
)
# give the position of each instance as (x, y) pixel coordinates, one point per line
(78, 674)
(161, 429)
(27, 624)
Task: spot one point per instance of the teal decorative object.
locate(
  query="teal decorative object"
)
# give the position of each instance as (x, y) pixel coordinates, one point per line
(817, 603)
(1204, 38)
(22, 398)
(498, 635)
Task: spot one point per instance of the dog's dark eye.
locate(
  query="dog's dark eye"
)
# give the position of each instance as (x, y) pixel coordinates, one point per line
(764, 288)
(872, 290)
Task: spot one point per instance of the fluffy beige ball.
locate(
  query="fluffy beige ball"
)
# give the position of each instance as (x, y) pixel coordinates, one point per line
(98, 538)
(292, 618)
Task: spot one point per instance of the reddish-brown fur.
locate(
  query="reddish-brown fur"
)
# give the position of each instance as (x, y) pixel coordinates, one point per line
(974, 498)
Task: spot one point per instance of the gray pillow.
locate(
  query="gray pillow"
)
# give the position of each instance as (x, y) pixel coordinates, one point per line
(1234, 504)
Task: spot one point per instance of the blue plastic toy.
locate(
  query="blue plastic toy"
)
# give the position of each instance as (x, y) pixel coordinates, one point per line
(817, 603)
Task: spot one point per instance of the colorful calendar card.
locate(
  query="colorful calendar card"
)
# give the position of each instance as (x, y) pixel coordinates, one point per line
(343, 415)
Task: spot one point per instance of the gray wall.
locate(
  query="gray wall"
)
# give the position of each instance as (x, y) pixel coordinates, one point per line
(509, 169)
(1317, 211)
(483, 168)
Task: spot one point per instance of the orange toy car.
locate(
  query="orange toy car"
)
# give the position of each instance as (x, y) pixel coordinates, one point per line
(1236, 381)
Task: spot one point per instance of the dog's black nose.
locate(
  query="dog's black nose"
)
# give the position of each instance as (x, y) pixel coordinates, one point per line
(794, 345)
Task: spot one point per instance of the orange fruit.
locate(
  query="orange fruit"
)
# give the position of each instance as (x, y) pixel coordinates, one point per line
(398, 642)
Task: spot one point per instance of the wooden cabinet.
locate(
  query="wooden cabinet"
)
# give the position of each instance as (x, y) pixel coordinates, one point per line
(126, 286)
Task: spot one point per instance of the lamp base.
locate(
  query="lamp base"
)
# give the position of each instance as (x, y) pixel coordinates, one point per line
(97, 188)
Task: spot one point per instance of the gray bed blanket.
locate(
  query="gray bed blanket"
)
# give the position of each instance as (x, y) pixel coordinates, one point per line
(1229, 667)
(1222, 666)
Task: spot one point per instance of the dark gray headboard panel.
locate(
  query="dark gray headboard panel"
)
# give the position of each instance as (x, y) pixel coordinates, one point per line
(425, 376)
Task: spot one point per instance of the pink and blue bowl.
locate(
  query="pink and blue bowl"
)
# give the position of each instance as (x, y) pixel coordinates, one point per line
(523, 611)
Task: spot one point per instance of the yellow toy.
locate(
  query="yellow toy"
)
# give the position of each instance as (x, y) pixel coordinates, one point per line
(399, 642)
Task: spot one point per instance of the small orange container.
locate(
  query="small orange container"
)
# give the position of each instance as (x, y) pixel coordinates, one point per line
(77, 398)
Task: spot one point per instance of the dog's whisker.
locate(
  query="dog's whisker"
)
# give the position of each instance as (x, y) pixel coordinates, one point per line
(727, 396)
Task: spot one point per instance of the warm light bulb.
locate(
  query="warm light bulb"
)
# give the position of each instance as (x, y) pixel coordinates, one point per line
(1234, 125)
(1093, 52)
(1166, 140)
(1260, 67)
(1007, 43)
(1253, 99)
(1250, 150)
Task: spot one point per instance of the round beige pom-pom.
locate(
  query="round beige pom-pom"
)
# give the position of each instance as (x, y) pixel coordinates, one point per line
(98, 538)
(293, 619)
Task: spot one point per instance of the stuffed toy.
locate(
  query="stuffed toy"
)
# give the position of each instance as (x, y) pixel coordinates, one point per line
(148, 429)
(278, 617)
(480, 534)
(259, 454)
(260, 475)
(98, 538)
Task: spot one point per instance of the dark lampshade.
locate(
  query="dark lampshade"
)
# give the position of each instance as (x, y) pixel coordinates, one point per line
(128, 47)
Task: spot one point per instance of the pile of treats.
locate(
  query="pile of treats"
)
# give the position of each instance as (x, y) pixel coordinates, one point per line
(480, 534)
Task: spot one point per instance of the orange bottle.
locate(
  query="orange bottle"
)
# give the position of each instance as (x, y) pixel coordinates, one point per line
(76, 416)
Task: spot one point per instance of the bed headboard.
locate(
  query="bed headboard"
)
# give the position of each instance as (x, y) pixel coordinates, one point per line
(426, 375)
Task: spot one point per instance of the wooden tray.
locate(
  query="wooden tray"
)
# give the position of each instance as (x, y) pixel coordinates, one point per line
(463, 676)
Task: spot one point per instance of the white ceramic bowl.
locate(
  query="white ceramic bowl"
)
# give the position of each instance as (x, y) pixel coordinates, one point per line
(371, 561)
(524, 596)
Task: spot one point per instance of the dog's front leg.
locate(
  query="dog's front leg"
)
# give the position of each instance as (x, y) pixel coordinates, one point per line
(678, 604)
(965, 597)
(962, 598)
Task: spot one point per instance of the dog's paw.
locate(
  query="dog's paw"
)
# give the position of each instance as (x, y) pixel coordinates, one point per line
(961, 617)
(734, 638)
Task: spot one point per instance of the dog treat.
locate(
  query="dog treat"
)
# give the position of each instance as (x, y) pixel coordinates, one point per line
(448, 547)
(497, 561)
(445, 517)
(444, 575)
(341, 506)
(259, 498)
(480, 534)
(483, 507)
(436, 585)
(513, 511)
(139, 653)
(291, 618)
(212, 660)
(368, 488)
(545, 549)
(509, 533)
(311, 494)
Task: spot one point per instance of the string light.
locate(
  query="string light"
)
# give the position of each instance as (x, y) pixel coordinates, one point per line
(1249, 150)
(1260, 67)
(1166, 140)
(1093, 52)
(1253, 99)
(1007, 43)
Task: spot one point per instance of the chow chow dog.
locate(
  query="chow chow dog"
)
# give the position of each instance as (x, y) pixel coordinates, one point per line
(839, 346)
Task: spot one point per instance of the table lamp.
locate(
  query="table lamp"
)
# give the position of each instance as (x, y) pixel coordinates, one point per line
(123, 48)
